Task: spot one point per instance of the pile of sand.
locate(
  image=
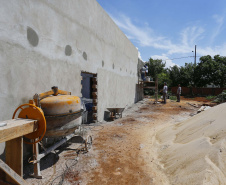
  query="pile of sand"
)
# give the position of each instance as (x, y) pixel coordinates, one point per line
(194, 151)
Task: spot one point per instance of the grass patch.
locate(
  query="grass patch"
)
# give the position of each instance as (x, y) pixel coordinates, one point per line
(153, 96)
(173, 98)
(210, 97)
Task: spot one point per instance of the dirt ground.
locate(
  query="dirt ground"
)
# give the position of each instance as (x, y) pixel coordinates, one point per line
(124, 151)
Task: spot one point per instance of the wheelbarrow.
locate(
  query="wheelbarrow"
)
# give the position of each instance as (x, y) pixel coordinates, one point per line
(115, 112)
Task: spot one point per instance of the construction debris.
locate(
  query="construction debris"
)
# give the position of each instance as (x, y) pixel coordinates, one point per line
(203, 108)
(192, 104)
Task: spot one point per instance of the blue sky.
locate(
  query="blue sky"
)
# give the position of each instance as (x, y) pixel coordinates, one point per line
(169, 29)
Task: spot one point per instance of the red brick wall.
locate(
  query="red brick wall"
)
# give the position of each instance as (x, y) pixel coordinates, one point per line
(198, 91)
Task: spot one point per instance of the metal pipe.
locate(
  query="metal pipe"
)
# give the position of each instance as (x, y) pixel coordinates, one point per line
(44, 153)
(195, 55)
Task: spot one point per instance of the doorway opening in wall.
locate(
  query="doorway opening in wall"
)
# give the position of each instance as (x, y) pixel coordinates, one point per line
(89, 96)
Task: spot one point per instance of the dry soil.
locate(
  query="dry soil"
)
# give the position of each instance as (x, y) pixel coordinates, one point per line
(124, 151)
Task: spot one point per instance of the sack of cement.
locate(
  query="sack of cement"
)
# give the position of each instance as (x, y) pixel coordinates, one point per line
(147, 79)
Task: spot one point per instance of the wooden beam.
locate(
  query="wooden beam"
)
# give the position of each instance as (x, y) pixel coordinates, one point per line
(16, 128)
(12, 134)
(11, 173)
(14, 154)
(149, 87)
(149, 82)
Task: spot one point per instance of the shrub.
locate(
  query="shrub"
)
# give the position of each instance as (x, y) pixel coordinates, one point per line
(210, 97)
(221, 97)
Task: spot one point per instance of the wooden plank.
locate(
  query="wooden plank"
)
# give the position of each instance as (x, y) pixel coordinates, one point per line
(17, 179)
(149, 87)
(16, 128)
(14, 156)
(149, 82)
(94, 108)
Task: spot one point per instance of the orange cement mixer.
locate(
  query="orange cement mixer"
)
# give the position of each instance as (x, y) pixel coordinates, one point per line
(58, 114)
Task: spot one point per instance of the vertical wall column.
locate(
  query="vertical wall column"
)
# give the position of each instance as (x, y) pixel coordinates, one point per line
(94, 93)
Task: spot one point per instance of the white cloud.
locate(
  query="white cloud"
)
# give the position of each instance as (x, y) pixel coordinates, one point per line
(218, 50)
(190, 35)
(164, 58)
(220, 21)
(145, 36)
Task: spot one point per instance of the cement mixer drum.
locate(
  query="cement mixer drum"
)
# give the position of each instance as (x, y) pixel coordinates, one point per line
(63, 114)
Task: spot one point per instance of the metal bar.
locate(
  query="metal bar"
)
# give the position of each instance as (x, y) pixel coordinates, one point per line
(44, 153)
(37, 173)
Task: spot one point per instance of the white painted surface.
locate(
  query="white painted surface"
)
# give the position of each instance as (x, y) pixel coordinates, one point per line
(82, 24)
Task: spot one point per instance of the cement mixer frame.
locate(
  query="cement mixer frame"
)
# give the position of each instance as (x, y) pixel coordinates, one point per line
(32, 115)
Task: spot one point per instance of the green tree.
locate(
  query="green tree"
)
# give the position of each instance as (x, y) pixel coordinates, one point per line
(183, 75)
(204, 71)
(211, 71)
(155, 67)
(220, 73)
(164, 77)
(187, 75)
(156, 70)
(174, 75)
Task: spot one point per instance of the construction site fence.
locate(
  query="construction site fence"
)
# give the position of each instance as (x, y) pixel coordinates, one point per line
(198, 91)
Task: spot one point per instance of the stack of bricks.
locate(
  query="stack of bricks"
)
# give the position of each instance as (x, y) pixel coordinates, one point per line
(94, 93)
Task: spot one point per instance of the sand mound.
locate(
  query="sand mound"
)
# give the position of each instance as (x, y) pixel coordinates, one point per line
(194, 151)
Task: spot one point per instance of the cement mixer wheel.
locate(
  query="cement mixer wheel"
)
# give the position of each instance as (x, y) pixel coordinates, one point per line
(30, 111)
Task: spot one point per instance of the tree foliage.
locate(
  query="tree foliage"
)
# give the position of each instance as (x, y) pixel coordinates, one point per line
(221, 71)
(164, 77)
(187, 75)
(156, 70)
(174, 74)
(182, 75)
(208, 71)
(156, 67)
(211, 71)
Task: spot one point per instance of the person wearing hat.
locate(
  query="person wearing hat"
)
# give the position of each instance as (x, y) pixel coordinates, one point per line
(164, 90)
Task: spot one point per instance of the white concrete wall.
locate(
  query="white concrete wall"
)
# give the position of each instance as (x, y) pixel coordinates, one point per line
(27, 68)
